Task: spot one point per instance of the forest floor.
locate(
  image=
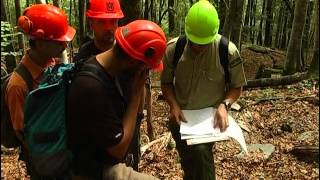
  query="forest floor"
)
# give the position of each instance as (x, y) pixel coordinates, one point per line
(277, 116)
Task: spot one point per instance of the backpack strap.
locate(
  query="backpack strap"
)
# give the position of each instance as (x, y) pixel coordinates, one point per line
(223, 55)
(181, 42)
(25, 74)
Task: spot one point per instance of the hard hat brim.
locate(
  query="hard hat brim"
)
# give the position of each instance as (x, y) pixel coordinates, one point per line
(200, 40)
(68, 36)
(158, 68)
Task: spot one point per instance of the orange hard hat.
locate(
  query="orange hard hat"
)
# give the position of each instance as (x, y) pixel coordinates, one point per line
(104, 9)
(143, 40)
(45, 21)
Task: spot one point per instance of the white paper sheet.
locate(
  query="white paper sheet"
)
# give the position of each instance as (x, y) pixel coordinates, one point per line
(200, 126)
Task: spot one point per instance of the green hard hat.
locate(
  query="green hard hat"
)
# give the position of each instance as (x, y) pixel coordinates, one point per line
(202, 22)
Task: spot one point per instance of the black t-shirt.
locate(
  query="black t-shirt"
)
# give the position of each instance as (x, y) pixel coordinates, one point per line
(87, 50)
(95, 115)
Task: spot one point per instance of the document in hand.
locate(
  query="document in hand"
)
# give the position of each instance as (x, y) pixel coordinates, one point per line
(199, 128)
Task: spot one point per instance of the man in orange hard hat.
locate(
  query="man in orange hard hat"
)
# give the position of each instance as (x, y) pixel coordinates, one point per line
(103, 16)
(102, 116)
(48, 29)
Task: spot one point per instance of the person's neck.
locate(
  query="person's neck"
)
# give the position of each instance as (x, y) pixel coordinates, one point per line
(102, 46)
(38, 58)
(109, 63)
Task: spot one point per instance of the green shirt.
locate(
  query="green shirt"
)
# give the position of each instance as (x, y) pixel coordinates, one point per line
(199, 78)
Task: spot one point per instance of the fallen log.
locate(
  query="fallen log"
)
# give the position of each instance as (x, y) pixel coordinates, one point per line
(306, 153)
(283, 80)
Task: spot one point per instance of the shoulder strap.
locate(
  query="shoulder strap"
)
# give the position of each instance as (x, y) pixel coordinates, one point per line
(181, 42)
(25, 74)
(223, 55)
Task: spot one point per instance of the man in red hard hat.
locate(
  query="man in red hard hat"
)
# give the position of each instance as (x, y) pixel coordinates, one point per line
(103, 16)
(48, 29)
(102, 116)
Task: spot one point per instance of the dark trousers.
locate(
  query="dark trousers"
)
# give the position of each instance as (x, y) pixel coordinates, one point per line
(196, 160)
(133, 157)
(24, 156)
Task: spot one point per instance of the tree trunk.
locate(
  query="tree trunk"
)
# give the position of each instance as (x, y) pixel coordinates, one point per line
(82, 22)
(57, 3)
(171, 16)
(237, 23)
(293, 61)
(3, 11)
(227, 26)
(279, 25)
(223, 11)
(233, 24)
(283, 80)
(40, 2)
(314, 66)
(268, 29)
(131, 10)
(253, 20)
(259, 38)
(146, 10)
(20, 36)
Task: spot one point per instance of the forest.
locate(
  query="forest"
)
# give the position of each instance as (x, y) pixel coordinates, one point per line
(278, 110)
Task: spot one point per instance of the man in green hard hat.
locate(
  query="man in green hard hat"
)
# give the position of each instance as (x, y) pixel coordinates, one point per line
(199, 78)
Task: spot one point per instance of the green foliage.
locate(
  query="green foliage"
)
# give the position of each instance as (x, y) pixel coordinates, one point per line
(268, 93)
(7, 37)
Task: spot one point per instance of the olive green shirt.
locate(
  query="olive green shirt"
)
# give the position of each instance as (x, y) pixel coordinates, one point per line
(199, 78)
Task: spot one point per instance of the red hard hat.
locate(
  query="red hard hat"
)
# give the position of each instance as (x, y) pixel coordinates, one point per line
(104, 9)
(45, 21)
(143, 40)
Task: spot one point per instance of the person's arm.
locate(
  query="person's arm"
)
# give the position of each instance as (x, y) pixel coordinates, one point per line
(222, 112)
(175, 111)
(119, 150)
(15, 98)
(238, 80)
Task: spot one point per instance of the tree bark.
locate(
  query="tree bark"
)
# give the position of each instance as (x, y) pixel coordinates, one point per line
(18, 13)
(283, 80)
(40, 2)
(57, 3)
(146, 10)
(223, 11)
(268, 28)
(260, 38)
(3, 11)
(314, 66)
(131, 10)
(237, 23)
(82, 21)
(293, 63)
(171, 16)
(233, 24)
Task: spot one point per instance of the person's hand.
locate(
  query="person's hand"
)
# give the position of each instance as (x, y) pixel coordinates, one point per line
(221, 118)
(139, 81)
(176, 115)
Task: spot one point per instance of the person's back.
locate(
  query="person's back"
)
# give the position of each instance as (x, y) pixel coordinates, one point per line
(101, 121)
(48, 35)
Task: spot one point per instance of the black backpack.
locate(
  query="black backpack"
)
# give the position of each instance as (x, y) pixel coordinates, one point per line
(223, 54)
(8, 136)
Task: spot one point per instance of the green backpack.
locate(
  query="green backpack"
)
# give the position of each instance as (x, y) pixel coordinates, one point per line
(45, 118)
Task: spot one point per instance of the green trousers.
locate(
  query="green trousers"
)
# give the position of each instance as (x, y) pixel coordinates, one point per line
(196, 160)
